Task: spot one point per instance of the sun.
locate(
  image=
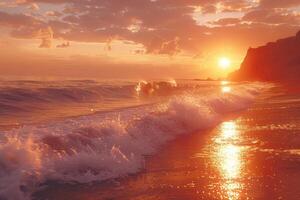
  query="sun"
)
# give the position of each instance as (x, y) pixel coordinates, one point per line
(224, 62)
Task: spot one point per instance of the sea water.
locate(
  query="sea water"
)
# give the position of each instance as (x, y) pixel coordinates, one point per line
(83, 131)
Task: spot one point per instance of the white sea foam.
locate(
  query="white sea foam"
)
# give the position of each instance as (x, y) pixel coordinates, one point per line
(106, 146)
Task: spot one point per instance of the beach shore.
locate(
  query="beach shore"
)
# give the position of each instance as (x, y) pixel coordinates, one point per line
(251, 155)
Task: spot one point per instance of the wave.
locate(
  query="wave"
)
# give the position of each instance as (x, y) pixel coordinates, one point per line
(155, 87)
(107, 146)
(66, 93)
(28, 96)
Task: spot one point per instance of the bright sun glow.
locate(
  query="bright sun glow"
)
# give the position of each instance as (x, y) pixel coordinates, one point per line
(226, 89)
(224, 63)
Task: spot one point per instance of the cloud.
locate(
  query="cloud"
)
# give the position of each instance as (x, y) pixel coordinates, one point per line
(108, 44)
(170, 47)
(272, 16)
(53, 14)
(279, 3)
(209, 9)
(139, 51)
(63, 45)
(34, 7)
(153, 24)
(227, 21)
(237, 5)
(16, 20)
(46, 36)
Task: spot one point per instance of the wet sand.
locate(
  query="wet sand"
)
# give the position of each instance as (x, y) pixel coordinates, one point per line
(251, 155)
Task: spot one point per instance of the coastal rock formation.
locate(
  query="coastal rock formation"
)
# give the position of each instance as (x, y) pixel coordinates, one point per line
(276, 61)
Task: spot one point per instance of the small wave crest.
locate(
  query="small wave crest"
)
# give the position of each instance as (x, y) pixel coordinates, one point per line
(155, 87)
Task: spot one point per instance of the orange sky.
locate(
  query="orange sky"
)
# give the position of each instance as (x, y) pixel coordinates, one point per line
(136, 38)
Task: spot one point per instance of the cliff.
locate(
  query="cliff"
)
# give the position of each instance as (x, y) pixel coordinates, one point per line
(276, 61)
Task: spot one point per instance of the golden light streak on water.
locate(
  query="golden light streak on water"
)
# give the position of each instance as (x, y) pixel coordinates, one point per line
(228, 130)
(224, 82)
(229, 160)
(226, 89)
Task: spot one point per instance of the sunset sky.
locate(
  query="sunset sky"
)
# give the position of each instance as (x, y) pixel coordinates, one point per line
(137, 38)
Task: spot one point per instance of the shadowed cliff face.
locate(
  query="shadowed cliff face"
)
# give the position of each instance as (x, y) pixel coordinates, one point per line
(276, 61)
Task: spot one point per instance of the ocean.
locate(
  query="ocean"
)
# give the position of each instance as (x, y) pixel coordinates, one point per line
(87, 132)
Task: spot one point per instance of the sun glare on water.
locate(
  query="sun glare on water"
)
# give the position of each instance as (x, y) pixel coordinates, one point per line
(226, 89)
(224, 63)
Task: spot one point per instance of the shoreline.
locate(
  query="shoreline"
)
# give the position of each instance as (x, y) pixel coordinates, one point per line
(236, 160)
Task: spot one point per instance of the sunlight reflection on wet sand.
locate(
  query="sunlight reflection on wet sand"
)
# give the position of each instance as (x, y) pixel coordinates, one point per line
(229, 161)
(224, 87)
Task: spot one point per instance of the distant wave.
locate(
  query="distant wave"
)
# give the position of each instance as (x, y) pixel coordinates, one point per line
(28, 96)
(106, 146)
(155, 87)
(65, 93)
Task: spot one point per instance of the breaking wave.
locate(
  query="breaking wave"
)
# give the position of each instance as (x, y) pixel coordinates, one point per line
(106, 146)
